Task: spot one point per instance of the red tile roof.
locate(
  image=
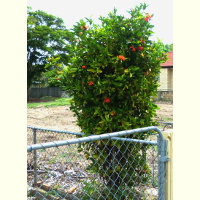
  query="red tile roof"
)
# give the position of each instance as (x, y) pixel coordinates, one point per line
(169, 62)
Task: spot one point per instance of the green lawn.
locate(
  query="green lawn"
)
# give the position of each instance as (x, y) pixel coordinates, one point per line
(51, 103)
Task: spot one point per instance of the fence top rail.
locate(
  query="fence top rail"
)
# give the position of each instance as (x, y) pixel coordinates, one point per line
(168, 123)
(57, 131)
(93, 138)
(135, 140)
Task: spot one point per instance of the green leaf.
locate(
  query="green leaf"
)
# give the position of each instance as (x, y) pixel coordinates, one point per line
(91, 70)
(95, 156)
(99, 71)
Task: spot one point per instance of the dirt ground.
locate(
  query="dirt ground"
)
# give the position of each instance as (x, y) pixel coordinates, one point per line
(61, 118)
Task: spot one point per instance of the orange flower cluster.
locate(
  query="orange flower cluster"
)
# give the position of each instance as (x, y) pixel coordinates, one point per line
(113, 113)
(133, 49)
(121, 57)
(84, 27)
(107, 100)
(84, 67)
(91, 83)
(140, 48)
(147, 17)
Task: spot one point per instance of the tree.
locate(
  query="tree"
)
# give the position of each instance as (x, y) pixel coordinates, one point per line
(112, 78)
(168, 48)
(46, 36)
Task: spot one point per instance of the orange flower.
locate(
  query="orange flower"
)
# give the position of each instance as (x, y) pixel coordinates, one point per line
(107, 100)
(113, 113)
(84, 67)
(142, 41)
(140, 48)
(86, 27)
(133, 49)
(121, 57)
(148, 15)
(91, 83)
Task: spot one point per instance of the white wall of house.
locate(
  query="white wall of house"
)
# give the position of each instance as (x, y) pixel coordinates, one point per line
(170, 79)
(166, 79)
(163, 79)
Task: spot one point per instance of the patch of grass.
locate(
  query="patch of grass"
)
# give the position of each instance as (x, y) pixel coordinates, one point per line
(55, 103)
(167, 119)
(49, 98)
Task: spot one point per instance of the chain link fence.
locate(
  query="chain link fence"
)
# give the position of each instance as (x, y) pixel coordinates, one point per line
(108, 166)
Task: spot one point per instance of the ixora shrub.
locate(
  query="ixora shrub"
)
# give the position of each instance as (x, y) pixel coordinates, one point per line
(112, 78)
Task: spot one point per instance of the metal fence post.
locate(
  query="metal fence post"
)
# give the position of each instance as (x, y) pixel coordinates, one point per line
(35, 157)
(153, 182)
(168, 135)
(161, 168)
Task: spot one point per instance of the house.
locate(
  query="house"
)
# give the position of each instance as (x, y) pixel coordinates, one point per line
(166, 74)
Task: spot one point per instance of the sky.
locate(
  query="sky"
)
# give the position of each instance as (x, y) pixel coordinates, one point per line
(71, 11)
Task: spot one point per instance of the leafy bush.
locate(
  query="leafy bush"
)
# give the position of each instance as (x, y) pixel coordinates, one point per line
(112, 78)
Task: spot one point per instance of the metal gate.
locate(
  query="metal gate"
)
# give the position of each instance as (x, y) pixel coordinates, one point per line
(70, 169)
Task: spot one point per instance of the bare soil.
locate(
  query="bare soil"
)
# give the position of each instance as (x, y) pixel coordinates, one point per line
(165, 113)
(61, 118)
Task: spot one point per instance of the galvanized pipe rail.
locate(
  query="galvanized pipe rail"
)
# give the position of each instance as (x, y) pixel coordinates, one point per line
(166, 124)
(56, 131)
(93, 138)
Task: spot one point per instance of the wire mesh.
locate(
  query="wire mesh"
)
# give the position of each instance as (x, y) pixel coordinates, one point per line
(114, 168)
